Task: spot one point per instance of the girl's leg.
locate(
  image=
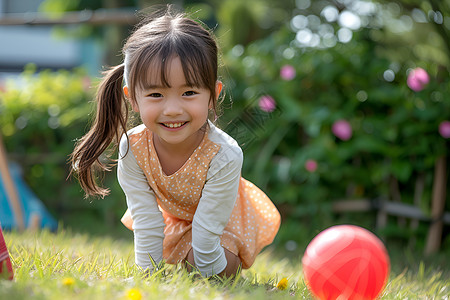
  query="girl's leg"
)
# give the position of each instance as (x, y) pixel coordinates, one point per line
(233, 263)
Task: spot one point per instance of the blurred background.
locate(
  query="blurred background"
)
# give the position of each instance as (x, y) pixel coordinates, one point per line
(342, 109)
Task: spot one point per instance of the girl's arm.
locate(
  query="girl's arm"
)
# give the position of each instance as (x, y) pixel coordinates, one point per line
(214, 210)
(148, 223)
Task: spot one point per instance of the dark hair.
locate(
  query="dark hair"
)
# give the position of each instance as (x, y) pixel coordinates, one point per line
(156, 40)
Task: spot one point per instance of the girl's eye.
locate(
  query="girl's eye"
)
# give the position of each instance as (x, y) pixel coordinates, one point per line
(154, 95)
(189, 93)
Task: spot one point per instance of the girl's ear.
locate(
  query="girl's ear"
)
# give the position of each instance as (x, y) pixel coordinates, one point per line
(219, 86)
(132, 102)
(125, 91)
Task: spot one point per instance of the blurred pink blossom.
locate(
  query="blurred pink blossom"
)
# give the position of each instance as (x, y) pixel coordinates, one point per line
(86, 82)
(287, 72)
(311, 165)
(267, 103)
(342, 129)
(418, 78)
(444, 129)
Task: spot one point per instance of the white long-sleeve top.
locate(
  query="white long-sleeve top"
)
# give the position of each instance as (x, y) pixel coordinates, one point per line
(213, 211)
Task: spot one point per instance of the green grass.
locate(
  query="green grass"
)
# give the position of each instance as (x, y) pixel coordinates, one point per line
(66, 265)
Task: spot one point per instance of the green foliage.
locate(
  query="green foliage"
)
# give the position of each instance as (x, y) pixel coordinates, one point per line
(41, 116)
(395, 135)
(242, 22)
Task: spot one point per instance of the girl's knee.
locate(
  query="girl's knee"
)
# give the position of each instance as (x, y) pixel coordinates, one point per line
(189, 262)
(233, 263)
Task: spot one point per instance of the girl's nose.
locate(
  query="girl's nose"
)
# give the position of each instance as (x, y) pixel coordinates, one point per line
(172, 107)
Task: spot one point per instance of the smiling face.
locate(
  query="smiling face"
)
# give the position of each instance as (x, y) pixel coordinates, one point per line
(174, 111)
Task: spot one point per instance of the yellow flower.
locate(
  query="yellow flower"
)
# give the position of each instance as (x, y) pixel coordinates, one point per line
(134, 294)
(68, 281)
(282, 284)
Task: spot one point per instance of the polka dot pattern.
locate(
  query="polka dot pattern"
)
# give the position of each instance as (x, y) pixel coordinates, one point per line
(254, 221)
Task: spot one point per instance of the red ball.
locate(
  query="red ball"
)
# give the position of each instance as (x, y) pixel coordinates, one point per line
(346, 262)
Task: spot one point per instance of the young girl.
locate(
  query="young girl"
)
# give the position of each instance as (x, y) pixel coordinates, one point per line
(181, 175)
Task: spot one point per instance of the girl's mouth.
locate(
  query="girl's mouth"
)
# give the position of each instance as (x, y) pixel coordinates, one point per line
(173, 125)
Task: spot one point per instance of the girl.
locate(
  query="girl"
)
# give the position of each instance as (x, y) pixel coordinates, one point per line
(181, 175)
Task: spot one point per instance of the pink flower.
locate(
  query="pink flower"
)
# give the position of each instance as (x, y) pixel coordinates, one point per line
(418, 78)
(287, 72)
(267, 103)
(311, 165)
(342, 129)
(444, 129)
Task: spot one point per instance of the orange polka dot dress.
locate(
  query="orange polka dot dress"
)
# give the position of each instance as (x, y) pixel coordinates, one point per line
(254, 220)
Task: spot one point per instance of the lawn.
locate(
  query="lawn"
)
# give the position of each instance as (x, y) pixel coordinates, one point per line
(67, 265)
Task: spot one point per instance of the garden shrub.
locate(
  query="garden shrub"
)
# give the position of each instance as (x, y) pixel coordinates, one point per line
(343, 124)
(42, 114)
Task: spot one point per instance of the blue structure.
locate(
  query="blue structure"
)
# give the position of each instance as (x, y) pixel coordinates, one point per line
(31, 205)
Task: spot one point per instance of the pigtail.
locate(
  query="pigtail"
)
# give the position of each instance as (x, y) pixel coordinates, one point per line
(109, 125)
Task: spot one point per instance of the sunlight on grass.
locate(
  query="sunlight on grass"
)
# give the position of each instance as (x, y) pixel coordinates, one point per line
(75, 266)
